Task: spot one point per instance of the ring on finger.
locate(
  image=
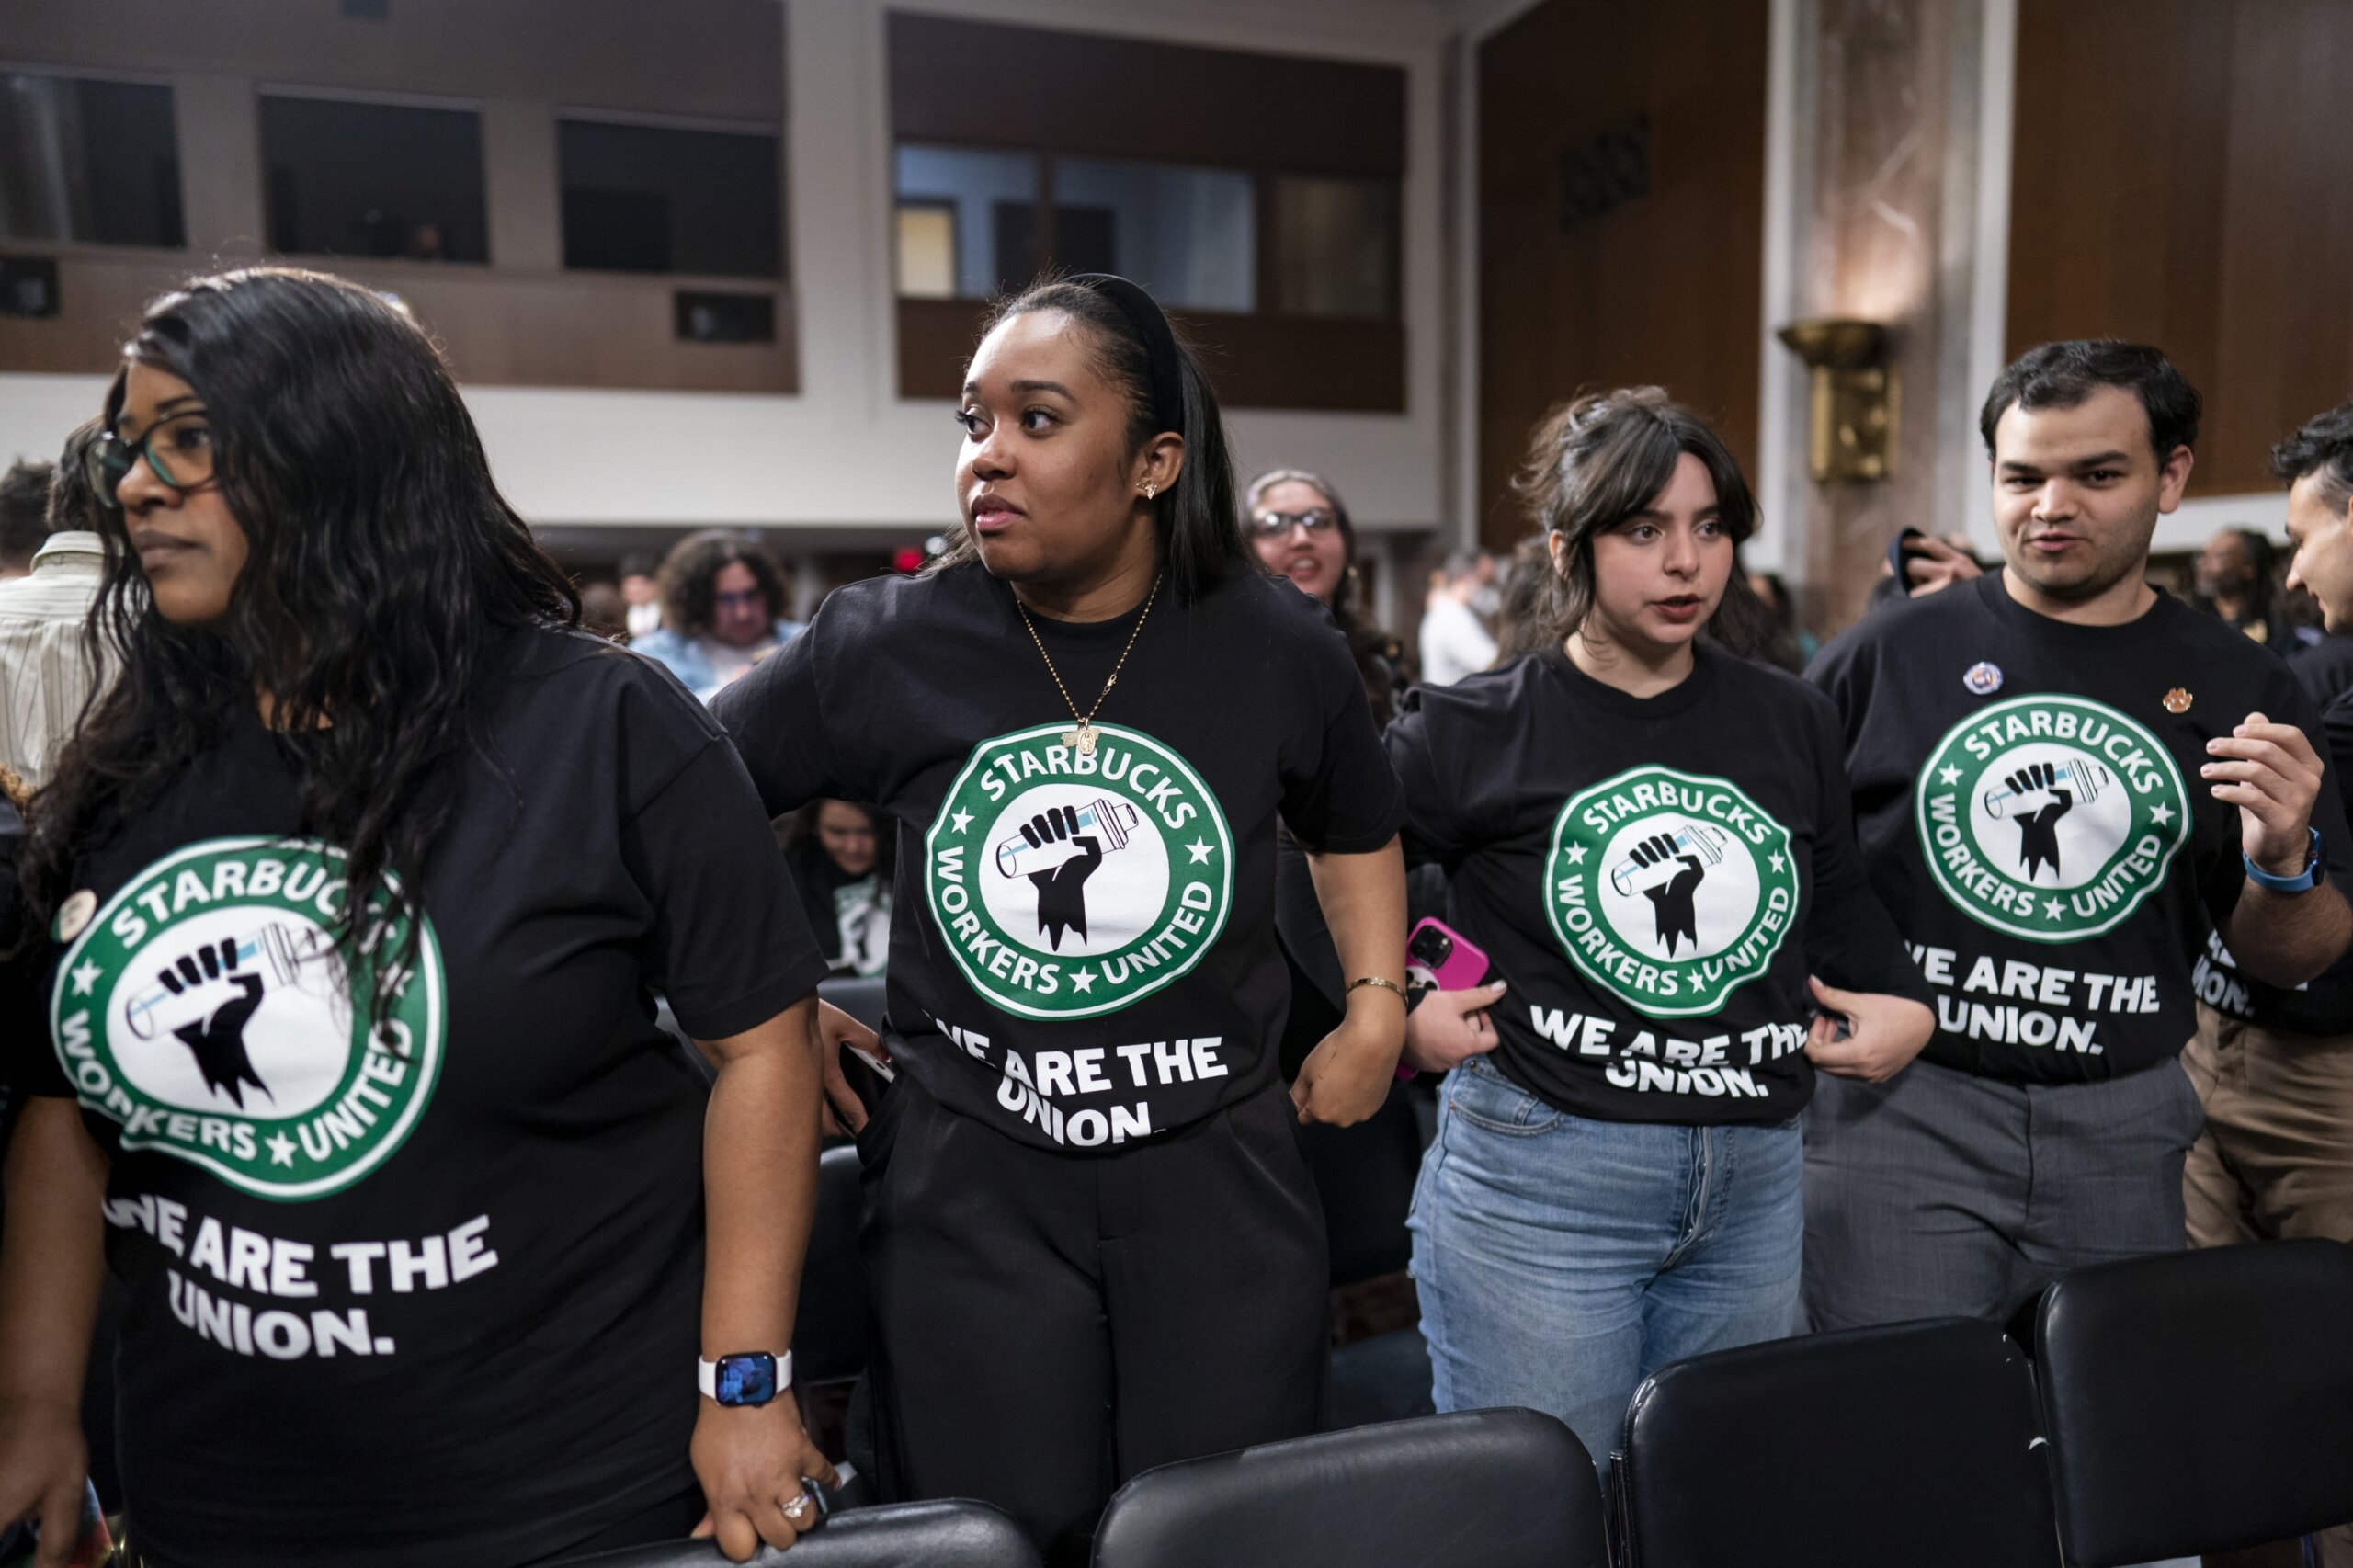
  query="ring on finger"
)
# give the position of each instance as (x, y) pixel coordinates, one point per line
(797, 1510)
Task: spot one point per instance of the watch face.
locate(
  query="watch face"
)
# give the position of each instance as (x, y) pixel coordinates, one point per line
(744, 1380)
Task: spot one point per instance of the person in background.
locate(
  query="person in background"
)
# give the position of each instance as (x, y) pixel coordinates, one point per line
(604, 612)
(642, 593)
(361, 876)
(48, 663)
(23, 515)
(1788, 645)
(844, 862)
(1453, 641)
(1617, 1176)
(1299, 528)
(722, 611)
(2061, 777)
(2237, 579)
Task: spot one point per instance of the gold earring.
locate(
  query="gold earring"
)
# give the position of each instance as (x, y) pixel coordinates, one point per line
(1148, 488)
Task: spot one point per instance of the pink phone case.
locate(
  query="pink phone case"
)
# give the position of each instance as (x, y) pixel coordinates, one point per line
(1465, 967)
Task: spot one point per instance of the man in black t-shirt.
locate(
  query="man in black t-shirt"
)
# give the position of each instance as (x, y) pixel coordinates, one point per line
(2062, 778)
(2275, 1066)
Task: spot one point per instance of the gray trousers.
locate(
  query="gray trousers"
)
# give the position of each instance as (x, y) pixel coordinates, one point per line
(1941, 1194)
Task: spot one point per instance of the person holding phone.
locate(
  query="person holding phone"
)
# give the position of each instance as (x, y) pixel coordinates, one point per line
(359, 882)
(1091, 1242)
(1651, 837)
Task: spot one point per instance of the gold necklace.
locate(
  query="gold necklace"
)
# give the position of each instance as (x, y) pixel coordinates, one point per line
(1082, 739)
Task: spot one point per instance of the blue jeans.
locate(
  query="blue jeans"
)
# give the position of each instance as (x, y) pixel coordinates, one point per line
(1563, 1260)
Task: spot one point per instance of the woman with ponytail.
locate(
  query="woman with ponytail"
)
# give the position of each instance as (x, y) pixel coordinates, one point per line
(1651, 837)
(1091, 1243)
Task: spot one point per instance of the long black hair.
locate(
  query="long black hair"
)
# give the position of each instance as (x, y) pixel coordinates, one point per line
(1381, 661)
(381, 559)
(1595, 461)
(1194, 519)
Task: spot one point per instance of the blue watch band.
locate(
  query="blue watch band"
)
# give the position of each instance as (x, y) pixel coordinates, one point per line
(2304, 881)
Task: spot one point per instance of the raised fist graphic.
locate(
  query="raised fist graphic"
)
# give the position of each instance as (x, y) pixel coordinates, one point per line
(1671, 900)
(209, 983)
(1062, 891)
(2039, 829)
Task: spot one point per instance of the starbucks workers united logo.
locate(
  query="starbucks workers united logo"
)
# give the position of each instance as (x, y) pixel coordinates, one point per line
(206, 1009)
(1070, 883)
(1669, 891)
(2050, 817)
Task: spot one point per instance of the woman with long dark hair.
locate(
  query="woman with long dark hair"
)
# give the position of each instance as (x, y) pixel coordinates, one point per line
(361, 875)
(1651, 837)
(1299, 528)
(842, 861)
(1091, 1243)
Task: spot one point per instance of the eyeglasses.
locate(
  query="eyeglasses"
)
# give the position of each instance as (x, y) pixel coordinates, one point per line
(179, 451)
(746, 598)
(1274, 525)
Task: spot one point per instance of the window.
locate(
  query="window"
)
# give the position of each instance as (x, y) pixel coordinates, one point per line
(645, 197)
(1190, 235)
(349, 178)
(1335, 246)
(88, 161)
(968, 221)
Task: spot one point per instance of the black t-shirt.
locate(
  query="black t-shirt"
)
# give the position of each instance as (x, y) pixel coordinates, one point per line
(2324, 669)
(1651, 876)
(435, 1300)
(2030, 808)
(2322, 1005)
(1082, 948)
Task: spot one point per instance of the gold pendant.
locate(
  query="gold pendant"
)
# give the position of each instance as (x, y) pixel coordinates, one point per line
(1081, 740)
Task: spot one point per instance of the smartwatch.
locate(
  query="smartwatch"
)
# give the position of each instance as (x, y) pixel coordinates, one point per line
(2315, 868)
(753, 1377)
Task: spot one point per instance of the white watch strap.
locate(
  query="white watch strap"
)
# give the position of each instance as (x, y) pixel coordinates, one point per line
(707, 1375)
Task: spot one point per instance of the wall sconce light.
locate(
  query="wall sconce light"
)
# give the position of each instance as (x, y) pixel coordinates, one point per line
(1856, 397)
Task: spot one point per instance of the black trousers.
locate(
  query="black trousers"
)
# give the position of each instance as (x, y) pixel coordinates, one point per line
(1049, 1324)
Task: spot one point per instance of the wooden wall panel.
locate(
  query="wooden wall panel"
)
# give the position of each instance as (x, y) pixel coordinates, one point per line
(1666, 289)
(2183, 175)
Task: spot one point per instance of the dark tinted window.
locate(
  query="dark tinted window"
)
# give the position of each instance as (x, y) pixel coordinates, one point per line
(658, 198)
(85, 160)
(372, 179)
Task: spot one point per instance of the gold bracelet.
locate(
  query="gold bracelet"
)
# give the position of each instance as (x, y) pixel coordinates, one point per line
(1384, 984)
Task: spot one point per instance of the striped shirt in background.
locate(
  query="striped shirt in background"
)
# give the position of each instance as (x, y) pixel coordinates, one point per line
(46, 668)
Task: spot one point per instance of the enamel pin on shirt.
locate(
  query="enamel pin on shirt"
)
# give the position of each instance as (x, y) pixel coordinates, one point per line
(74, 913)
(1983, 677)
(2177, 701)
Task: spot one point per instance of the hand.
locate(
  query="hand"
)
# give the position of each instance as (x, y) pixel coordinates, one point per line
(1347, 1076)
(843, 1112)
(43, 1465)
(750, 1460)
(1884, 1033)
(1450, 1026)
(1933, 565)
(2272, 775)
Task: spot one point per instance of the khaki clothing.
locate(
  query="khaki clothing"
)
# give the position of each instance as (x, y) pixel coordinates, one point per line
(47, 667)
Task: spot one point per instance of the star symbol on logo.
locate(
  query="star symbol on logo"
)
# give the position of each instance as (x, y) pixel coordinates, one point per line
(1576, 854)
(1777, 862)
(962, 820)
(1949, 776)
(1083, 981)
(2162, 816)
(281, 1150)
(2053, 908)
(86, 975)
(1198, 849)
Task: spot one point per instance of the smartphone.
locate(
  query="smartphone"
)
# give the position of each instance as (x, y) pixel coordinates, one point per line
(1446, 958)
(869, 1076)
(1901, 561)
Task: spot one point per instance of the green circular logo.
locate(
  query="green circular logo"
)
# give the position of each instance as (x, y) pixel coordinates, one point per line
(207, 1010)
(1071, 883)
(1669, 891)
(2050, 817)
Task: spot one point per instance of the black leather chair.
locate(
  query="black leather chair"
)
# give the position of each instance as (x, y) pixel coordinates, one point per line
(829, 1326)
(1913, 1444)
(2200, 1402)
(900, 1535)
(1479, 1489)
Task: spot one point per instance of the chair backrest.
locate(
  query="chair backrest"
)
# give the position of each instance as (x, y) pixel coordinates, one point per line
(862, 999)
(829, 1326)
(1478, 1489)
(934, 1535)
(1914, 1443)
(2200, 1402)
